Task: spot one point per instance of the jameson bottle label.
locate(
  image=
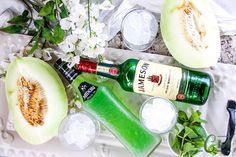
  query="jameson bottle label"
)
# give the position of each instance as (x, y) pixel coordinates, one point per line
(157, 79)
(87, 90)
(107, 70)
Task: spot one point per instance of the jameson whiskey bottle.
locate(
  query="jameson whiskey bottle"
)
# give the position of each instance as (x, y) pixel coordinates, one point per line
(154, 79)
(105, 106)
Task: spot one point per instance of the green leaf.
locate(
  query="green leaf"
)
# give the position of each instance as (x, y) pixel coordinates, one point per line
(176, 144)
(47, 9)
(199, 143)
(31, 32)
(36, 44)
(200, 131)
(39, 23)
(46, 34)
(20, 19)
(58, 34)
(182, 117)
(196, 118)
(189, 149)
(64, 12)
(190, 133)
(212, 149)
(52, 17)
(186, 123)
(58, 1)
(13, 29)
(25, 13)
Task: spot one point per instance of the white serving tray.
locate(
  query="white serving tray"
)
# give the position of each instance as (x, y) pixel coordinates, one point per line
(106, 145)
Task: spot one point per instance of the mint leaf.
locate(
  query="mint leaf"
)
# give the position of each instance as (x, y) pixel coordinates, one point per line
(200, 131)
(12, 29)
(189, 149)
(47, 9)
(182, 117)
(176, 144)
(212, 149)
(196, 118)
(198, 142)
(190, 133)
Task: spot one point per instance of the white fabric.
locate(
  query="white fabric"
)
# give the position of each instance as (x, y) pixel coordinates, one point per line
(225, 14)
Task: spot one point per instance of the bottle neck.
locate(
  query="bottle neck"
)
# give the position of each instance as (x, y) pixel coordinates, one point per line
(102, 69)
(68, 72)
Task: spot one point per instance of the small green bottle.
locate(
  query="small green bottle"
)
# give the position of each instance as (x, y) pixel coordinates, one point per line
(154, 79)
(99, 101)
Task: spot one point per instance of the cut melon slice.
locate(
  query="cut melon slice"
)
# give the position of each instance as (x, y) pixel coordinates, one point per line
(190, 32)
(36, 99)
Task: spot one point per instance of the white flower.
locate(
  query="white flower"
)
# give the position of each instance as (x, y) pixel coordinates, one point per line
(77, 10)
(85, 36)
(68, 45)
(81, 34)
(74, 60)
(44, 54)
(69, 57)
(70, 3)
(94, 11)
(65, 23)
(106, 5)
(97, 27)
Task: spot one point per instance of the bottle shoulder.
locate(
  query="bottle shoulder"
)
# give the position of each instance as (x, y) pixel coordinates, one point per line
(127, 74)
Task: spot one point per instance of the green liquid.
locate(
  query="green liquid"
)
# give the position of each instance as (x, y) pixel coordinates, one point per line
(112, 113)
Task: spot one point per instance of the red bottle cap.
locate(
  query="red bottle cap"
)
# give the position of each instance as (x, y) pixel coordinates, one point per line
(87, 66)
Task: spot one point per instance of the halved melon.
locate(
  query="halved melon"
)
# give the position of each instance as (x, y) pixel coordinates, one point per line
(190, 32)
(36, 99)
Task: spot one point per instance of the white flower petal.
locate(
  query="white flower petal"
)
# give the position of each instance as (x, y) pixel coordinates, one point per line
(65, 24)
(106, 5)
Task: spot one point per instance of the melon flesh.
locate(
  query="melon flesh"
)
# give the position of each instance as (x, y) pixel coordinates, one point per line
(190, 32)
(36, 99)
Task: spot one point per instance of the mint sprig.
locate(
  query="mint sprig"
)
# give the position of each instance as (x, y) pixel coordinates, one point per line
(190, 139)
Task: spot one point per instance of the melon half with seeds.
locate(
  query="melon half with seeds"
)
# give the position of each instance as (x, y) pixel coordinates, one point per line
(36, 99)
(190, 32)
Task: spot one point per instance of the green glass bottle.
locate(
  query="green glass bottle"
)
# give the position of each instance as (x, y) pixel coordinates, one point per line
(98, 100)
(154, 79)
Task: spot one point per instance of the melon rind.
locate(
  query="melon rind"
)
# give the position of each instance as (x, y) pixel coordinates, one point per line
(176, 42)
(40, 71)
